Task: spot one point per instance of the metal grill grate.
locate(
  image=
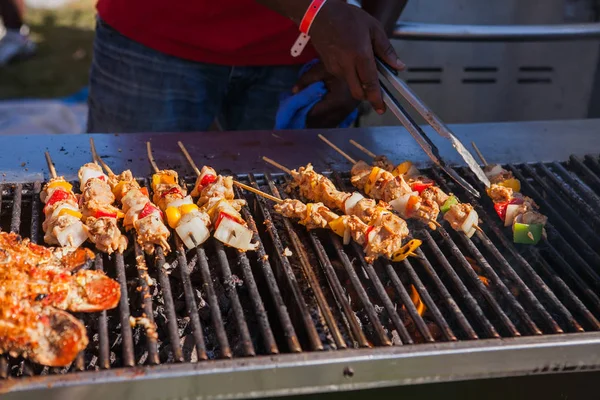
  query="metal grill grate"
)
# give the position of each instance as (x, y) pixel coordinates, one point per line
(216, 303)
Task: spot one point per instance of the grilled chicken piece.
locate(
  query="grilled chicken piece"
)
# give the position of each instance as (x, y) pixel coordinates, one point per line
(434, 193)
(44, 335)
(384, 163)
(317, 188)
(151, 231)
(500, 194)
(312, 215)
(106, 235)
(222, 188)
(97, 192)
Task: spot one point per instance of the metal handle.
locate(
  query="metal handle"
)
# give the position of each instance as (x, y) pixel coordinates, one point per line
(496, 33)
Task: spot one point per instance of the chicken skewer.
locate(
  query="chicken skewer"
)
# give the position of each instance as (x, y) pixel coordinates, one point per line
(380, 185)
(99, 214)
(217, 199)
(318, 216)
(389, 228)
(139, 212)
(190, 223)
(514, 209)
(62, 225)
(462, 217)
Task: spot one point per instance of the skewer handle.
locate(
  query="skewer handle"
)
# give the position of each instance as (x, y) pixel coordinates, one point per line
(333, 146)
(276, 165)
(189, 158)
(258, 192)
(479, 153)
(97, 158)
(151, 157)
(51, 165)
(363, 149)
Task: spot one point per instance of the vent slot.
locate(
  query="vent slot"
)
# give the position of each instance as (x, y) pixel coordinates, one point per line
(481, 69)
(471, 81)
(423, 81)
(536, 69)
(534, 80)
(425, 69)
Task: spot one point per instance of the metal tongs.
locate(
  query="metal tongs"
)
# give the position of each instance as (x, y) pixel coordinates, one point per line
(436, 123)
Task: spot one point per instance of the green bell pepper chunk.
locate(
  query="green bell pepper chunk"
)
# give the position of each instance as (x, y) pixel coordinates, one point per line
(452, 201)
(527, 233)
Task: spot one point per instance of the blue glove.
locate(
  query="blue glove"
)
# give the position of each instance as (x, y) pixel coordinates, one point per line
(293, 109)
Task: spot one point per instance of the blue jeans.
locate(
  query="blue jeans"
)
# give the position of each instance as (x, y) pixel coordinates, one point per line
(136, 89)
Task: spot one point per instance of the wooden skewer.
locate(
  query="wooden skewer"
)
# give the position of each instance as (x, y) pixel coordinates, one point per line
(333, 146)
(258, 192)
(363, 149)
(99, 160)
(478, 228)
(277, 165)
(189, 158)
(51, 166)
(479, 153)
(151, 157)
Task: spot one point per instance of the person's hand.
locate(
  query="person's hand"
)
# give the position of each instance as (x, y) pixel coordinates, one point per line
(347, 40)
(335, 106)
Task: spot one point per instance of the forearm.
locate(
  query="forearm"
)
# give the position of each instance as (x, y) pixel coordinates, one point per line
(386, 11)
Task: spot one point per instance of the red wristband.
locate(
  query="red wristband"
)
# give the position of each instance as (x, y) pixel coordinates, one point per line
(310, 15)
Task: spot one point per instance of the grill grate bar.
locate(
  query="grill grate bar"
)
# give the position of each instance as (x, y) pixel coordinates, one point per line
(571, 215)
(537, 280)
(15, 222)
(594, 165)
(146, 299)
(577, 164)
(263, 259)
(362, 294)
(167, 294)
(307, 268)
(213, 303)
(35, 212)
(576, 183)
(290, 278)
(385, 299)
(445, 295)
(338, 291)
(102, 325)
(190, 303)
(462, 289)
(126, 333)
(585, 249)
(231, 292)
(566, 191)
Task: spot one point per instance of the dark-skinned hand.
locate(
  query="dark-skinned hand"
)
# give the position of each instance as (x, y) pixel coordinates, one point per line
(335, 106)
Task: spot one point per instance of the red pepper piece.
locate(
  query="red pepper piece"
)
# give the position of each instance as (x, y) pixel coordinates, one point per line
(173, 190)
(223, 215)
(420, 186)
(102, 213)
(206, 179)
(144, 191)
(57, 195)
(501, 209)
(148, 209)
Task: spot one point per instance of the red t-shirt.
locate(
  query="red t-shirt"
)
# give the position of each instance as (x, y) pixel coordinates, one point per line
(225, 32)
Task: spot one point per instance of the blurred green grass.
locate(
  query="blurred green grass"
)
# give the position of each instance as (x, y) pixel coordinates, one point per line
(61, 66)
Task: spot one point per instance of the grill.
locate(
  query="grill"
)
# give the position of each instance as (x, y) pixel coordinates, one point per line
(217, 310)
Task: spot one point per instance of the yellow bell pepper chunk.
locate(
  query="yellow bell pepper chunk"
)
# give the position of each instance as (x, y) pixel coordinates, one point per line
(338, 226)
(158, 179)
(173, 216)
(120, 215)
(407, 250)
(402, 168)
(68, 211)
(372, 179)
(211, 211)
(61, 184)
(512, 183)
(118, 190)
(188, 208)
